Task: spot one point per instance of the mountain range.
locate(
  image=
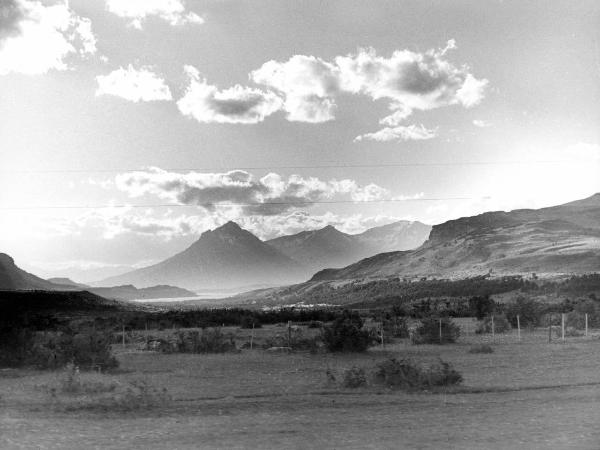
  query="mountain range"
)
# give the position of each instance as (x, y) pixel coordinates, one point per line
(13, 278)
(561, 239)
(230, 257)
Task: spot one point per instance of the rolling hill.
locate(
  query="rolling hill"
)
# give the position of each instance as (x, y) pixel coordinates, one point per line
(555, 240)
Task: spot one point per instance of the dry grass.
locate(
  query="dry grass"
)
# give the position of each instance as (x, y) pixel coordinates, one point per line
(529, 394)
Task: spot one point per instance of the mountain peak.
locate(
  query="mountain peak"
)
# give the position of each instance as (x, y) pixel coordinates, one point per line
(229, 226)
(6, 260)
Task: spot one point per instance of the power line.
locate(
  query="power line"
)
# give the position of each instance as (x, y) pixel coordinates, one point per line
(316, 166)
(301, 203)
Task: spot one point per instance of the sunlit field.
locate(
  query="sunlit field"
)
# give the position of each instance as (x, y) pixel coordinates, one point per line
(527, 393)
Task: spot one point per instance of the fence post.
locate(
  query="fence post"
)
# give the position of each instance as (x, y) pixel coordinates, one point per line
(519, 327)
(123, 336)
(289, 333)
(550, 330)
(493, 330)
(440, 331)
(562, 326)
(252, 336)
(146, 334)
(586, 324)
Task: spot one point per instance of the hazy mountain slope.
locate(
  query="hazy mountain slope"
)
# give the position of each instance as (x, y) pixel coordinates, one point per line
(130, 292)
(227, 257)
(329, 247)
(316, 249)
(14, 278)
(401, 235)
(559, 239)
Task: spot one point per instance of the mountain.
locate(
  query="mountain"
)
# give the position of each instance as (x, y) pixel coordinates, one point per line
(67, 282)
(555, 240)
(224, 258)
(14, 278)
(329, 247)
(130, 292)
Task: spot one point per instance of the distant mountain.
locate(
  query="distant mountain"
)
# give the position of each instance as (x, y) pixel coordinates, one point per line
(15, 278)
(224, 258)
(130, 292)
(559, 239)
(329, 247)
(66, 282)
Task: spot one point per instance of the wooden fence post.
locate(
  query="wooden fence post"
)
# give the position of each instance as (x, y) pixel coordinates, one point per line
(586, 324)
(519, 327)
(440, 331)
(123, 336)
(562, 326)
(289, 333)
(252, 336)
(493, 330)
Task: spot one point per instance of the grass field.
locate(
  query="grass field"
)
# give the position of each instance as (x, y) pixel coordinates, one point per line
(527, 394)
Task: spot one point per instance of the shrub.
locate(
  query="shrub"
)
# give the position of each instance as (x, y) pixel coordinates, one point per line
(428, 332)
(315, 324)
(528, 310)
(50, 350)
(210, 340)
(346, 334)
(406, 374)
(354, 377)
(481, 348)
(481, 306)
(249, 322)
(501, 325)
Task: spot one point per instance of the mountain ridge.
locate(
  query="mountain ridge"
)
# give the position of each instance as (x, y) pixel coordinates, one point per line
(557, 239)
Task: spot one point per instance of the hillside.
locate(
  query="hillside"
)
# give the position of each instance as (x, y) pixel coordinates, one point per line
(555, 240)
(224, 258)
(14, 278)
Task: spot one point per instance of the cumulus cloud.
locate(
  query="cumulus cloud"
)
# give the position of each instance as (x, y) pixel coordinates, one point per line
(407, 80)
(269, 195)
(308, 84)
(133, 85)
(35, 38)
(137, 11)
(238, 104)
(399, 133)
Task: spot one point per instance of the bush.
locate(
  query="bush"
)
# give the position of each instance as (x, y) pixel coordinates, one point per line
(354, 377)
(210, 340)
(481, 306)
(529, 312)
(87, 349)
(481, 348)
(346, 334)
(428, 332)
(249, 322)
(501, 325)
(406, 374)
(315, 324)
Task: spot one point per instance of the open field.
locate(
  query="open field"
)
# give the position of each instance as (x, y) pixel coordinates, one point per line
(524, 395)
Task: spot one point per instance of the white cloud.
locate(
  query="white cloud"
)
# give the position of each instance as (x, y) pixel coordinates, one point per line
(481, 123)
(400, 133)
(308, 84)
(35, 38)
(269, 195)
(238, 104)
(407, 80)
(137, 11)
(133, 85)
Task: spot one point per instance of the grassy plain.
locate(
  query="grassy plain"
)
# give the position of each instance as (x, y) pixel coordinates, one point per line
(527, 394)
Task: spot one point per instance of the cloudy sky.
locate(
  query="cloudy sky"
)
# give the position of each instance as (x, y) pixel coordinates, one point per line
(128, 127)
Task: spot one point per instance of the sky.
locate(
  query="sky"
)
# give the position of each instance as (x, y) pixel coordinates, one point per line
(129, 127)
